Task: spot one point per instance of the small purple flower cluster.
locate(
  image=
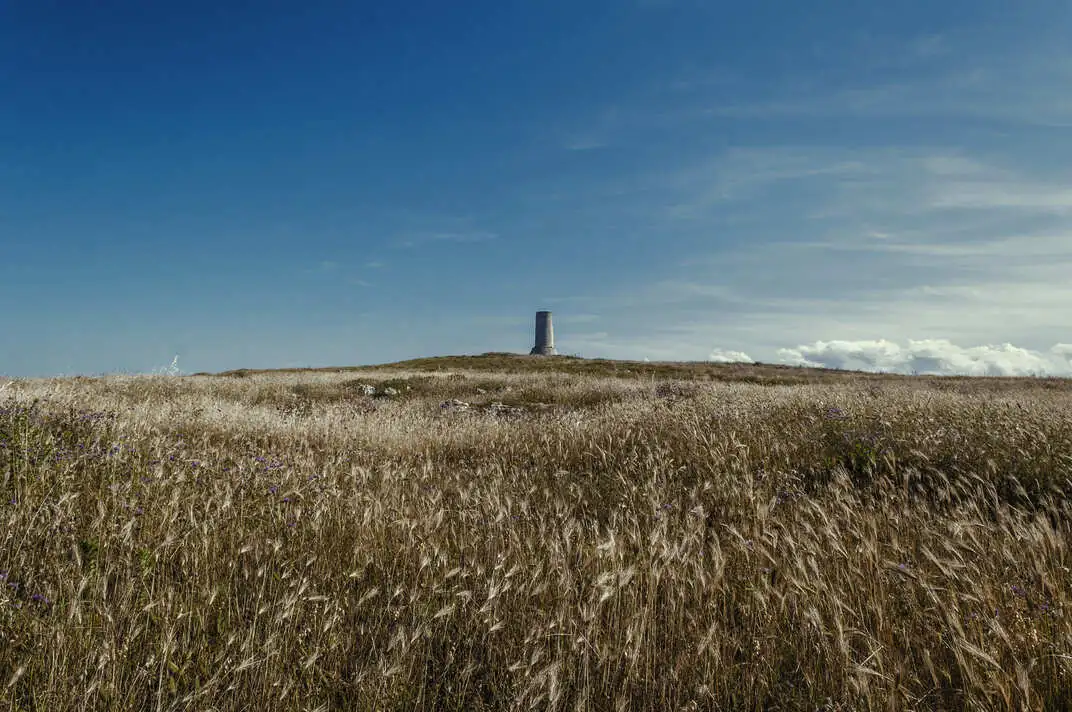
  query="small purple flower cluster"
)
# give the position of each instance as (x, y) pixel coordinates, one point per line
(42, 455)
(273, 465)
(17, 410)
(86, 416)
(1043, 607)
(15, 587)
(786, 495)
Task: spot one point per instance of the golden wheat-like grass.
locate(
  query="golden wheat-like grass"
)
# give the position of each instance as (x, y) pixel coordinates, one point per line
(285, 542)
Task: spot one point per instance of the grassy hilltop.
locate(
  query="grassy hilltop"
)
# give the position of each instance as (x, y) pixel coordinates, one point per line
(506, 532)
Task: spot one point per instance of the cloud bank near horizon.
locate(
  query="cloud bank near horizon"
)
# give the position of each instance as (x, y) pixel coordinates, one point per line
(924, 357)
(724, 356)
(938, 357)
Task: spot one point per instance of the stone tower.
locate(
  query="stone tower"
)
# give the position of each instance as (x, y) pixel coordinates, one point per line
(545, 335)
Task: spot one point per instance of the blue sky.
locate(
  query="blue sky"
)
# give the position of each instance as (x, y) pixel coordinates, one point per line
(274, 184)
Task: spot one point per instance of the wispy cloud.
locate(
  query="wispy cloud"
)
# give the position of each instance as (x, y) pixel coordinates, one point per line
(417, 239)
(989, 195)
(882, 244)
(585, 143)
(968, 75)
(463, 236)
(577, 319)
(856, 247)
(981, 95)
(1030, 246)
(322, 267)
(484, 321)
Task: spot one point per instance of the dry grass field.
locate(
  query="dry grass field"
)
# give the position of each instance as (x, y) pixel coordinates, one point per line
(614, 536)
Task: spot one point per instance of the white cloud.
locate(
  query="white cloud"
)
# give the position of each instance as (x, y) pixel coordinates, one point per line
(416, 239)
(875, 183)
(591, 337)
(463, 236)
(576, 318)
(1013, 246)
(996, 195)
(887, 258)
(723, 356)
(585, 143)
(931, 356)
(171, 370)
(957, 234)
(745, 174)
(483, 321)
(1016, 86)
(322, 267)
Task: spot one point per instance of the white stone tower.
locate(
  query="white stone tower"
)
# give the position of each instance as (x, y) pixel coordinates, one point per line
(545, 335)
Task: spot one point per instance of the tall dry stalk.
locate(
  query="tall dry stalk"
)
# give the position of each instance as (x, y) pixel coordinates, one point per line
(286, 542)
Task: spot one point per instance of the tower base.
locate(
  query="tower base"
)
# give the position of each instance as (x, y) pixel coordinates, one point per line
(545, 351)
